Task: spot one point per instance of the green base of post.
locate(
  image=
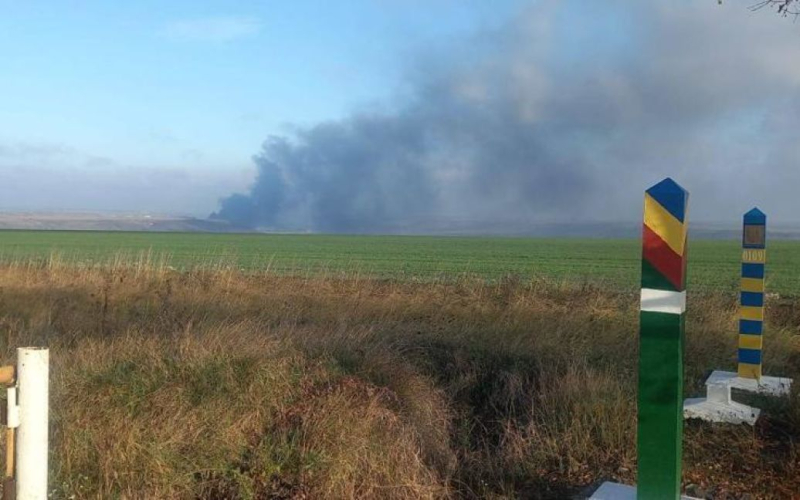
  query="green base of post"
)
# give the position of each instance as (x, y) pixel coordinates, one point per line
(660, 423)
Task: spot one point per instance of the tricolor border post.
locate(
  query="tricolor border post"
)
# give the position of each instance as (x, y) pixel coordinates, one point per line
(661, 339)
(659, 430)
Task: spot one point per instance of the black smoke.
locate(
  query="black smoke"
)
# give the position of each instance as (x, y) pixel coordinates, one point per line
(561, 115)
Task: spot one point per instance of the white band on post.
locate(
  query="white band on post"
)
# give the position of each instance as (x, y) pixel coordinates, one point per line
(663, 301)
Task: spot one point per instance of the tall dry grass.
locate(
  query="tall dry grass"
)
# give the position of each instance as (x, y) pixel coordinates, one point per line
(217, 384)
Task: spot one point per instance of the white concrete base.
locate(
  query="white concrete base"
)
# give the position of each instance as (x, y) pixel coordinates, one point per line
(714, 411)
(616, 491)
(768, 386)
(718, 405)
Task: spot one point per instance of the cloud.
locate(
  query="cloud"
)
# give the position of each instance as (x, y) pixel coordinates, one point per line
(561, 115)
(213, 29)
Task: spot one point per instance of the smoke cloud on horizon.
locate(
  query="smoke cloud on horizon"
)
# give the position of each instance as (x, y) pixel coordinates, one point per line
(562, 115)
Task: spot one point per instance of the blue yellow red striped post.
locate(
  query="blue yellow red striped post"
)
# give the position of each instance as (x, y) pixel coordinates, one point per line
(661, 331)
(751, 297)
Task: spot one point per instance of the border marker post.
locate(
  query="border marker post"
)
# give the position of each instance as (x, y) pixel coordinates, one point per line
(661, 341)
(718, 406)
(751, 297)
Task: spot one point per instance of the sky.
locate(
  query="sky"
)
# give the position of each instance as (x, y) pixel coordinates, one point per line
(159, 106)
(371, 114)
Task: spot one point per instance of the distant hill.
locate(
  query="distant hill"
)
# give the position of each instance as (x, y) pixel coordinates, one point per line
(111, 222)
(429, 226)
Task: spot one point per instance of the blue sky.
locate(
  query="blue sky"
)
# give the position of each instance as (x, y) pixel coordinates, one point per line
(202, 83)
(506, 112)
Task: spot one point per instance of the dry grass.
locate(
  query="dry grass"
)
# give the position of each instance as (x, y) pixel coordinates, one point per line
(217, 384)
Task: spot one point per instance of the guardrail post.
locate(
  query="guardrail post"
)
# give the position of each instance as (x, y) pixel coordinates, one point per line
(32, 434)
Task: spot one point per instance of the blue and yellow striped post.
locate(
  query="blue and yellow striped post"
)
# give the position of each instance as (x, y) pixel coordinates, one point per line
(751, 312)
(661, 331)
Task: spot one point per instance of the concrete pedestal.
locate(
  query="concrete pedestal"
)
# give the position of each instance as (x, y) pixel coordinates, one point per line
(718, 406)
(768, 386)
(616, 491)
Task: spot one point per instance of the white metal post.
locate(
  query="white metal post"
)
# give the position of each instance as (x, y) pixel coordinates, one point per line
(32, 434)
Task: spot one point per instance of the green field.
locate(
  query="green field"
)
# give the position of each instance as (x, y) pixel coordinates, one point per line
(712, 264)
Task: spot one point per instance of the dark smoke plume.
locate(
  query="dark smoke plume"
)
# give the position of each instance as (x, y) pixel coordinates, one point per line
(559, 116)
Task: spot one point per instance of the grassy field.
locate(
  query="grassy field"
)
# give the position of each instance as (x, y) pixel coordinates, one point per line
(220, 384)
(200, 366)
(712, 264)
